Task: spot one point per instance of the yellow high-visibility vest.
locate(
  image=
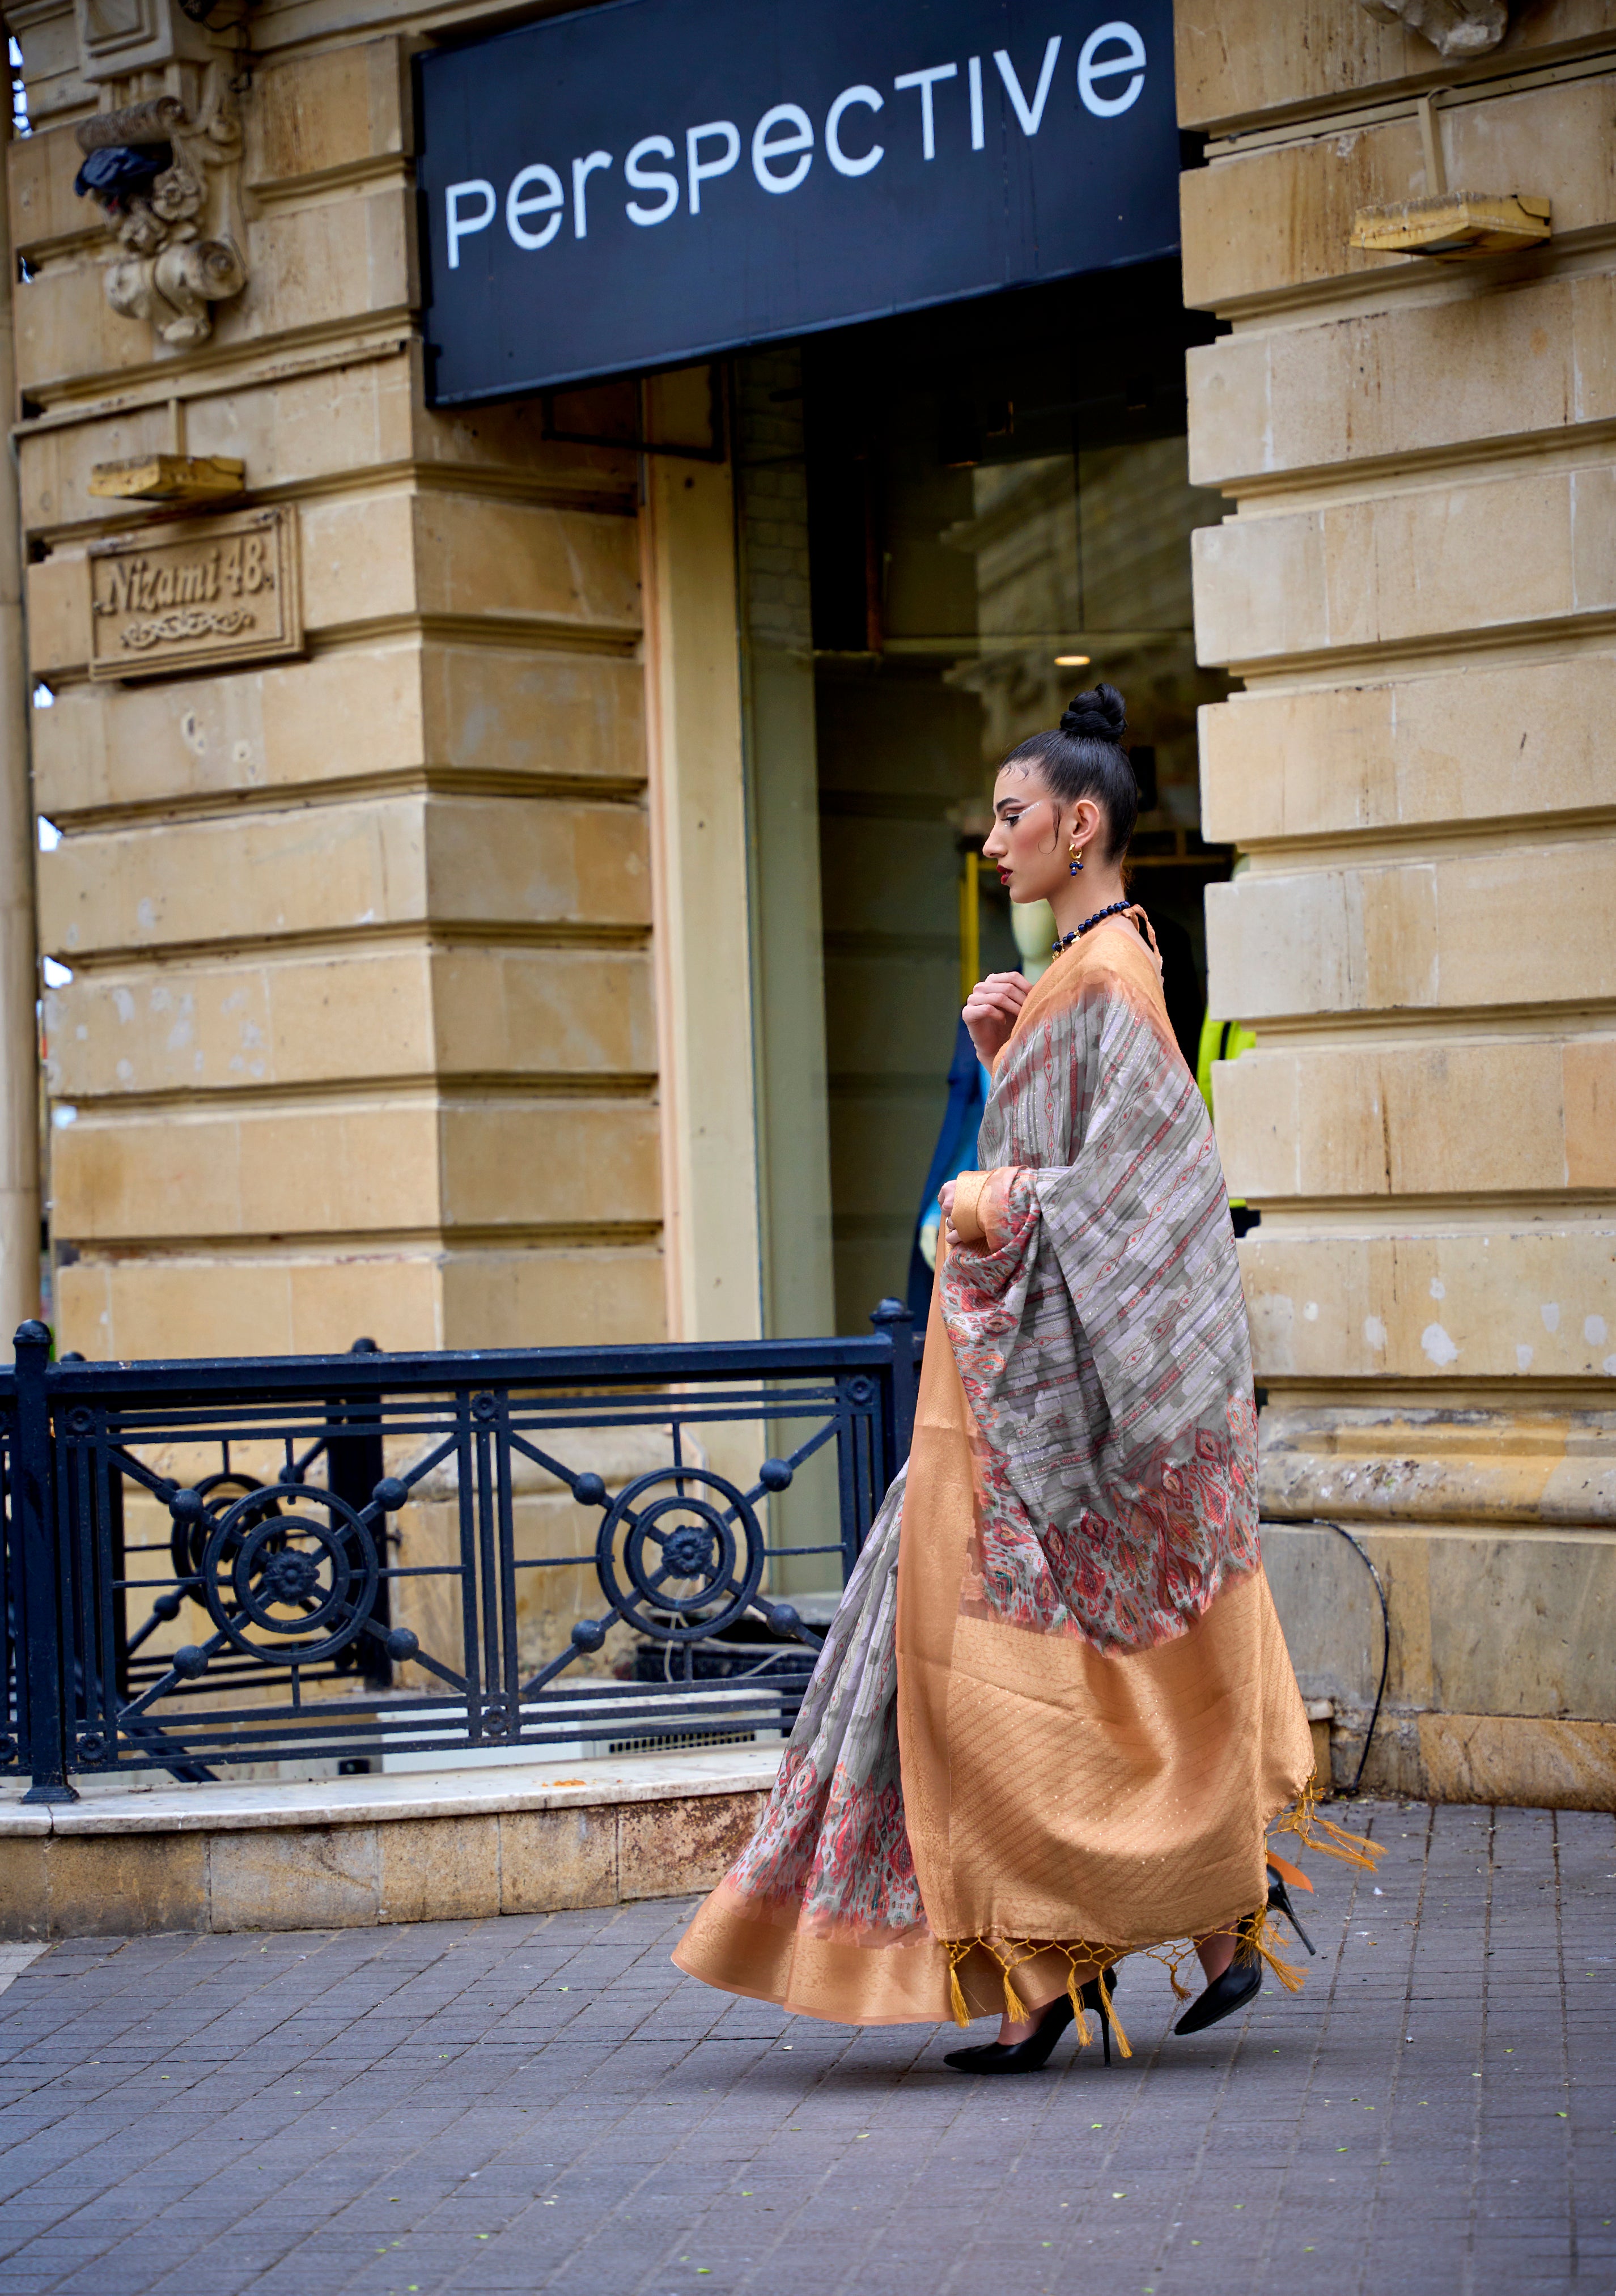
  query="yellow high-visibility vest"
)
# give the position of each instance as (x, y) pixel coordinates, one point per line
(1220, 1040)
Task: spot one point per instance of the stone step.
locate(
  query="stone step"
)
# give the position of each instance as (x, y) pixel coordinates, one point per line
(346, 1852)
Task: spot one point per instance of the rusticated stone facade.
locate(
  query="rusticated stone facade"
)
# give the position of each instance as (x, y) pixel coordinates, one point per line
(415, 979)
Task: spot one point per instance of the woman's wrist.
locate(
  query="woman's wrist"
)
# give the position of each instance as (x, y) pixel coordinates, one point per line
(965, 1215)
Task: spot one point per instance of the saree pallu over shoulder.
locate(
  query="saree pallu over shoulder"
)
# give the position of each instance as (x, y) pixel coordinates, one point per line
(1055, 1715)
(1098, 1322)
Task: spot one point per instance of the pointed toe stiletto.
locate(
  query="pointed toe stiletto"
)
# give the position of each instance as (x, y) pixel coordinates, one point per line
(1028, 2056)
(1032, 2054)
(1240, 1981)
(1279, 1902)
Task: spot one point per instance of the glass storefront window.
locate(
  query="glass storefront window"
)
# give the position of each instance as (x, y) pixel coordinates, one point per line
(998, 515)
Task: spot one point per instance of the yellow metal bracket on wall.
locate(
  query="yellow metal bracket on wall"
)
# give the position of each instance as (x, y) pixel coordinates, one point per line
(1454, 225)
(1451, 225)
(168, 478)
(171, 475)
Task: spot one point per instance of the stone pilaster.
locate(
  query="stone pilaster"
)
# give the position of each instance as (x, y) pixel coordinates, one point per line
(19, 1260)
(360, 1031)
(1417, 584)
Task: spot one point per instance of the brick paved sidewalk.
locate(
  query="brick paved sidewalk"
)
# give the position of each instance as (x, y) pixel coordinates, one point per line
(544, 2103)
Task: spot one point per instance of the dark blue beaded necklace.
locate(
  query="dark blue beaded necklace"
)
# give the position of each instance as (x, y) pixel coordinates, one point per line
(1088, 924)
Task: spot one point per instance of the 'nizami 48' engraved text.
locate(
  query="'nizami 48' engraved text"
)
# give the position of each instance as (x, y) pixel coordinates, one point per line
(216, 590)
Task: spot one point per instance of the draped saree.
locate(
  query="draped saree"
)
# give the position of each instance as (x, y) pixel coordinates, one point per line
(1054, 1715)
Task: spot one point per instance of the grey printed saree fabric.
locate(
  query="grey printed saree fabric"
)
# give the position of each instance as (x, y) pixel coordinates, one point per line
(1098, 1324)
(833, 1840)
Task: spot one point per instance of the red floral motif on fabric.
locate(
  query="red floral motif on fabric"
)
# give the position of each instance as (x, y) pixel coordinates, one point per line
(839, 1850)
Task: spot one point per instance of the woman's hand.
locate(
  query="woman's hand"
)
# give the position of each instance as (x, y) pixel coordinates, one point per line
(945, 1197)
(990, 1011)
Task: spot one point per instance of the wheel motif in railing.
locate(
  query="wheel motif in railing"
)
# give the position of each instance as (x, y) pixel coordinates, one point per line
(690, 1561)
(289, 1587)
(196, 1512)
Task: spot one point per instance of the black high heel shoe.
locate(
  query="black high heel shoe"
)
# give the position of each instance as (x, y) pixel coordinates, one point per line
(1241, 1983)
(1032, 2054)
(1279, 1902)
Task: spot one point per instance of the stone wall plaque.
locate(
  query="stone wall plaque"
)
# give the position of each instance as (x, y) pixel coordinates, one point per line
(205, 594)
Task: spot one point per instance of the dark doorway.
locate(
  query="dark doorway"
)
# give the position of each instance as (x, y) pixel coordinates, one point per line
(995, 490)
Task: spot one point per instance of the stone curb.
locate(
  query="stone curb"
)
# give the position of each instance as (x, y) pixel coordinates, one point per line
(220, 1808)
(351, 1853)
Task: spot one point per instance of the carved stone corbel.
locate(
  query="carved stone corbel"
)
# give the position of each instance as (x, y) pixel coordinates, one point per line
(180, 237)
(1455, 29)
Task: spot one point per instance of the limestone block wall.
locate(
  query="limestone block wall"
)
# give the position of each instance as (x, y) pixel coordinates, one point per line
(1417, 584)
(360, 1035)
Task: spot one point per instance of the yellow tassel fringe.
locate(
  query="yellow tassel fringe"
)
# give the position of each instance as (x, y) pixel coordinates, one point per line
(1318, 1833)
(1257, 1936)
(1078, 2010)
(1259, 1940)
(1011, 1953)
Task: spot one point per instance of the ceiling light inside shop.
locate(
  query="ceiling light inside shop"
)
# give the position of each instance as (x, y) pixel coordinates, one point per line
(1072, 660)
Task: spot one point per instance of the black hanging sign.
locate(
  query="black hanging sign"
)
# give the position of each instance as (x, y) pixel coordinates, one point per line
(649, 182)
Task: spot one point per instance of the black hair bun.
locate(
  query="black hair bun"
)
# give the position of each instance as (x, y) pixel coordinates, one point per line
(1101, 716)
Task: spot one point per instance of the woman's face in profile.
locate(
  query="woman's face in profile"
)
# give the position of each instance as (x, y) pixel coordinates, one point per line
(1029, 835)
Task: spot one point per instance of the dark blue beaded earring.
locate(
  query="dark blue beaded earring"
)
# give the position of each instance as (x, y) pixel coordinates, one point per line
(1077, 858)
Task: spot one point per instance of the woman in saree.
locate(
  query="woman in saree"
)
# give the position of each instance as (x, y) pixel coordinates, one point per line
(1054, 1718)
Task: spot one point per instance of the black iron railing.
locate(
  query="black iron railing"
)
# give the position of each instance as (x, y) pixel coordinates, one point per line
(377, 1560)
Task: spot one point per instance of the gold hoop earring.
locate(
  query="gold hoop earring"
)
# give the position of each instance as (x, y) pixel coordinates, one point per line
(1076, 851)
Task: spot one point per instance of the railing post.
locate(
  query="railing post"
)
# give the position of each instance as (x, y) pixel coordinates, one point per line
(355, 1466)
(44, 1660)
(893, 1319)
